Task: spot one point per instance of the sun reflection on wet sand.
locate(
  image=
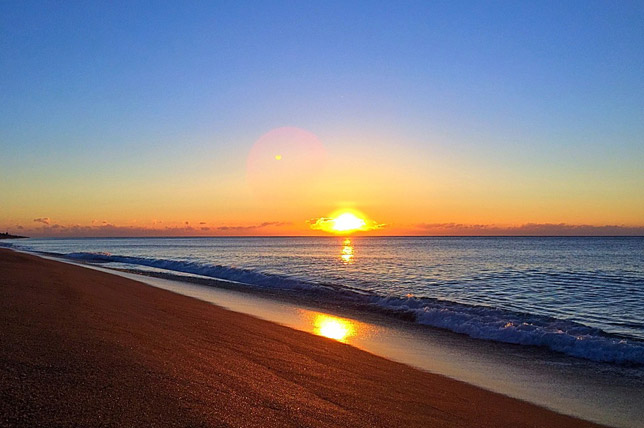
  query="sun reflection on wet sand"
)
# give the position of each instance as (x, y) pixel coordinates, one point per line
(337, 328)
(333, 327)
(347, 252)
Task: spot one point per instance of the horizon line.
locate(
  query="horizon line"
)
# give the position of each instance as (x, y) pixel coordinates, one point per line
(328, 236)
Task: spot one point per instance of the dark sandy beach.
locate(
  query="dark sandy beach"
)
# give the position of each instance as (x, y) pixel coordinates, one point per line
(80, 347)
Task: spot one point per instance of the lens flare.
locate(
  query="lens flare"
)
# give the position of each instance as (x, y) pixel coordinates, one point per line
(284, 163)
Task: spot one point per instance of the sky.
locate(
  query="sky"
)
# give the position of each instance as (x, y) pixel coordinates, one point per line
(209, 118)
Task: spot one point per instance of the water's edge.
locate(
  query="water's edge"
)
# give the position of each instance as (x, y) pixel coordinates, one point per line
(513, 375)
(479, 322)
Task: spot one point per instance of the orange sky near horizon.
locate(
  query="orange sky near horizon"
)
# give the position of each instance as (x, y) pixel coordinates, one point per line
(285, 182)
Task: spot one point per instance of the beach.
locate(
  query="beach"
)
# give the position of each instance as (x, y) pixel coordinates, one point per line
(82, 347)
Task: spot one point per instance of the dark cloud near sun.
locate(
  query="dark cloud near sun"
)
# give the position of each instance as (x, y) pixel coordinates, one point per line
(105, 229)
(253, 227)
(43, 220)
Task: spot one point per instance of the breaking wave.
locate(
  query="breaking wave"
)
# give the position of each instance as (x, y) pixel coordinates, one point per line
(481, 322)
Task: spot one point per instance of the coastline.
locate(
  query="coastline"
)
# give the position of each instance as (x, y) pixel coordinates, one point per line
(605, 394)
(81, 346)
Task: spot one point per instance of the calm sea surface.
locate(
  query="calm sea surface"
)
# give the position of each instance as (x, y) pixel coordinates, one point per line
(580, 296)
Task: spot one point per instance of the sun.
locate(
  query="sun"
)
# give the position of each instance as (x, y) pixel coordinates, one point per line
(347, 222)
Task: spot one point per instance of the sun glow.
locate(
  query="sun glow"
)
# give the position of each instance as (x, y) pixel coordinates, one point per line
(344, 222)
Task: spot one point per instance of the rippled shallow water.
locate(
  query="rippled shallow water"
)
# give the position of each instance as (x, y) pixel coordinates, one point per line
(580, 296)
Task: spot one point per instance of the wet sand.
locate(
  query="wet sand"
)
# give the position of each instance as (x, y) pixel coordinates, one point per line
(86, 348)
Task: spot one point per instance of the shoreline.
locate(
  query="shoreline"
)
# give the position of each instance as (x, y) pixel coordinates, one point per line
(532, 319)
(204, 364)
(606, 394)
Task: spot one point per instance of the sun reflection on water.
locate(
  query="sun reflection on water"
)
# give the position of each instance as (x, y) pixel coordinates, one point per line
(347, 252)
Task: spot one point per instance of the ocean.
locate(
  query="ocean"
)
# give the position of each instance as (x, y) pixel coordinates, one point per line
(580, 296)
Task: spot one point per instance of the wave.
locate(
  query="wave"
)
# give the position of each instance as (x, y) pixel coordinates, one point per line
(480, 322)
(501, 325)
(228, 273)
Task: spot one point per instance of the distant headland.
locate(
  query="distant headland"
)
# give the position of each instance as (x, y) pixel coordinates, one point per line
(9, 236)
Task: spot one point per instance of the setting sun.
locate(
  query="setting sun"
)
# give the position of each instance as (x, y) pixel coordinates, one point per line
(347, 222)
(462, 180)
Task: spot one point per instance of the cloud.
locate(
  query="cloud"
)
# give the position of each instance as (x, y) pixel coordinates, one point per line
(104, 229)
(456, 226)
(320, 223)
(530, 229)
(19, 227)
(202, 222)
(254, 227)
(99, 229)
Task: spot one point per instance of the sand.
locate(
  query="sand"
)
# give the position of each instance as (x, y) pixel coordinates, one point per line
(85, 348)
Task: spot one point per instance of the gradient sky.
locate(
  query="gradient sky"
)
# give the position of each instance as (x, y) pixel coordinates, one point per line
(136, 118)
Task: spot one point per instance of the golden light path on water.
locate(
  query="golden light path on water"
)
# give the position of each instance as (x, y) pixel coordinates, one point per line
(347, 252)
(333, 327)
